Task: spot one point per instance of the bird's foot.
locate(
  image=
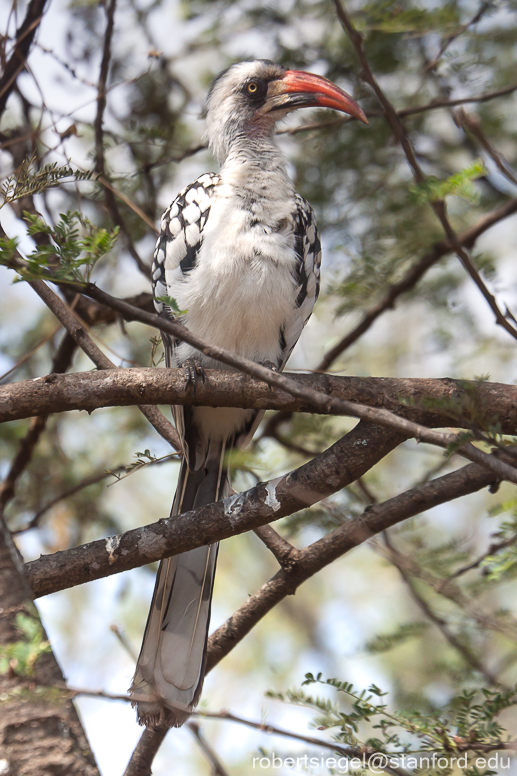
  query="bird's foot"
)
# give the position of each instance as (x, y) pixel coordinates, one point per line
(192, 370)
(270, 365)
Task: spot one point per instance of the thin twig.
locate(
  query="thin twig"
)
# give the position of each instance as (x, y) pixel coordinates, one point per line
(492, 550)
(281, 549)
(218, 768)
(463, 119)
(86, 483)
(463, 649)
(439, 103)
(467, 239)
(451, 38)
(502, 623)
(61, 362)
(124, 642)
(30, 353)
(350, 752)
(100, 166)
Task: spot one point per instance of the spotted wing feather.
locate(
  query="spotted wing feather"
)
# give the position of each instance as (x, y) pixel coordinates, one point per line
(181, 235)
(307, 273)
(177, 247)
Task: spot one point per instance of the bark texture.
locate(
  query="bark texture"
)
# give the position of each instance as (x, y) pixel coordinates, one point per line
(410, 398)
(337, 467)
(40, 732)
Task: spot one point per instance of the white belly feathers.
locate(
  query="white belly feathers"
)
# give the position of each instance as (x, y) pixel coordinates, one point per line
(241, 292)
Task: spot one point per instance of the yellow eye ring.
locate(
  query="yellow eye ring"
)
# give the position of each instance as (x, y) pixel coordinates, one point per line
(252, 87)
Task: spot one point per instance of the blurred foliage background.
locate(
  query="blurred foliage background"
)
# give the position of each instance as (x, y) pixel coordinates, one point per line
(377, 615)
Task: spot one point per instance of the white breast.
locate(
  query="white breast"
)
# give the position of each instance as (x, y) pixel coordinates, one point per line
(242, 291)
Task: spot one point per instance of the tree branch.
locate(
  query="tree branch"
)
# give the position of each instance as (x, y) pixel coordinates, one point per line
(38, 733)
(276, 544)
(406, 397)
(100, 166)
(451, 38)
(309, 561)
(316, 401)
(344, 751)
(79, 334)
(217, 768)
(145, 752)
(320, 401)
(61, 362)
(415, 273)
(441, 623)
(24, 37)
(439, 103)
(324, 403)
(329, 472)
(438, 206)
(305, 563)
(101, 88)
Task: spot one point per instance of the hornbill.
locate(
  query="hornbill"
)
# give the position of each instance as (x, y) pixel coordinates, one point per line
(239, 253)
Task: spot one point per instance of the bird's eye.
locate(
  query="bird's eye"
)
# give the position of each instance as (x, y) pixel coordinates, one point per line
(252, 87)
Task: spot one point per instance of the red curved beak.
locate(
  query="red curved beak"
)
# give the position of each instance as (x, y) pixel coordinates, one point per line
(297, 89)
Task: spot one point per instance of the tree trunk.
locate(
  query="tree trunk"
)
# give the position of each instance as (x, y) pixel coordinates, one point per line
(40, 732)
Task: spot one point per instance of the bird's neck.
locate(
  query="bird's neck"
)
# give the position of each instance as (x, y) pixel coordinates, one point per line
(255, 168)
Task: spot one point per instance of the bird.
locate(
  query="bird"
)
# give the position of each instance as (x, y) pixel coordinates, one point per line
(239, 253)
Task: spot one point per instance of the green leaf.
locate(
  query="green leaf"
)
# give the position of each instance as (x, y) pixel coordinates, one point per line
(459, 185)
(30, 180)
(76, 246)
(170, 302)
(385, 642)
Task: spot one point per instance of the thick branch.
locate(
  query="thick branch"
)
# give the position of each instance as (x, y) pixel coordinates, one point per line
(145, 752)
(88, 391)
(309, 561)
(329, 472)
(319, 400)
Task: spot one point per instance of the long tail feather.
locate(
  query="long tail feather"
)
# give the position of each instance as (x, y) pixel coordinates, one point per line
(171, 666)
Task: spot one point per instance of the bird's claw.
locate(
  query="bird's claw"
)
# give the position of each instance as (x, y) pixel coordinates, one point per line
(192, 371)
(270, 365)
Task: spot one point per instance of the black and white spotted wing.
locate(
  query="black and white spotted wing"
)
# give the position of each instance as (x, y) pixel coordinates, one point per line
(181, 235)
(176, 251)
(307, 273)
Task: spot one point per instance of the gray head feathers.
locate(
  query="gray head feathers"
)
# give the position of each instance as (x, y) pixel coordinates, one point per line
(232, 105)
